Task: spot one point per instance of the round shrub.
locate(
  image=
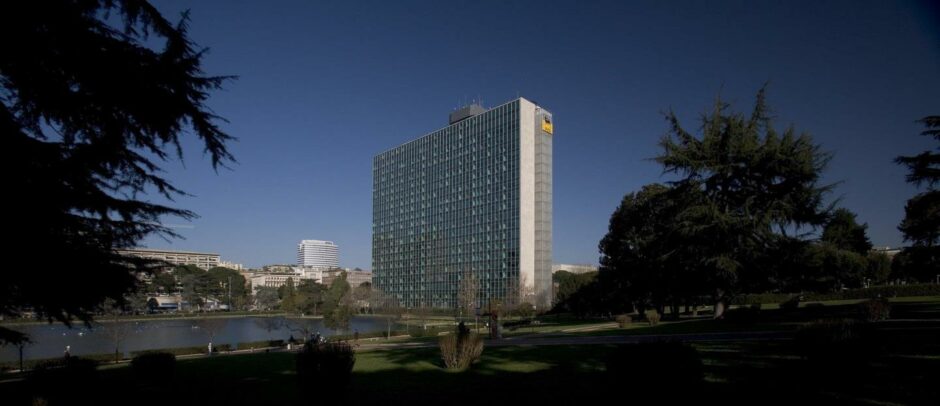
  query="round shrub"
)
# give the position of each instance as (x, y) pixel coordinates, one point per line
(791, 303)
(652, 317)
(840, 344)
(325, 368)
(59, 380)
(623, 320)
(154, 366)
(876, 309)
(460, 350)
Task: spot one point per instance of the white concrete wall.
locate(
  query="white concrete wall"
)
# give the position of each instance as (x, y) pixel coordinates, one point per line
(526, 196)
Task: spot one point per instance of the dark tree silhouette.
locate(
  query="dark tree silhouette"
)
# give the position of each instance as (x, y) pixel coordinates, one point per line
(924, 167)
(89, 109)
(921, 223)
(755, 185)
(642, 257)
(844, 232)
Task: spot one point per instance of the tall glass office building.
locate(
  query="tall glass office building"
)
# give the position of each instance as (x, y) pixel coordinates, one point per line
(473, 198)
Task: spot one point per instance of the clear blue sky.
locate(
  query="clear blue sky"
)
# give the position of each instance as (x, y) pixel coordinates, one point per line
(324, 86)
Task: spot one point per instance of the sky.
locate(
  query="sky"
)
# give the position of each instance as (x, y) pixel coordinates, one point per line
(324, 86)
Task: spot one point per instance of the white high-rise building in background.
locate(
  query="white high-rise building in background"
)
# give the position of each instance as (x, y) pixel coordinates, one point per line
(316, 253)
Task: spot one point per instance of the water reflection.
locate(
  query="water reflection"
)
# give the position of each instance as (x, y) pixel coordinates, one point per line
(50, 340)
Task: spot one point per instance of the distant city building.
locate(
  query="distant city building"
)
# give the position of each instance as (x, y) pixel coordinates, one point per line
(231, 265)
(273, 280)
(316, 253)
(201, 259)
(574, 268)
(313, 273)
(278, 268)
(172, 303)
(279, 277)
(890, 252)
(354, 277)
(473, 198)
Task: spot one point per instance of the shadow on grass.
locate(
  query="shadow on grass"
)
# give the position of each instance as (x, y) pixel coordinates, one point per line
(735, 373)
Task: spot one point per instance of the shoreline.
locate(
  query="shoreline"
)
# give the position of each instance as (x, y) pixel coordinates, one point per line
(193, 316)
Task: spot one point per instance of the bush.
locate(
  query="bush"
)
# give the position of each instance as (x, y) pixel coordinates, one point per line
(760, 298)
(791, 303)
(923, 289)
(659, 368)
(325, 369)
(260, 344)
(202, 349)
(427, 332)
(623, 320)
(876, 309)
(513, 325)
(60, 380)
(221, 348)
(154, 366)
(652, 317)
(363, 336)
(749, 314)
(841, 344)
(35, 363)
(460, 350)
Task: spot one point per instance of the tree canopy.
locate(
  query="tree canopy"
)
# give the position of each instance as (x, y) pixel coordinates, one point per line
(921, 223)
(748, 186)
(742, 194)
(843, 232)
(89, 109)
(337, 304)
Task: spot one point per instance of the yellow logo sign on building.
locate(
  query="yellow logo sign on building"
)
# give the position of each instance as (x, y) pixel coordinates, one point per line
(547, 124)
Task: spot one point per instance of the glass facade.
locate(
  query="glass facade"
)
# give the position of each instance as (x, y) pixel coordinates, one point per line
(446, 205)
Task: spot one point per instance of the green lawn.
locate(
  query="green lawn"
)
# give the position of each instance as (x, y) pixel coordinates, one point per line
(735, 373)
(752, 372)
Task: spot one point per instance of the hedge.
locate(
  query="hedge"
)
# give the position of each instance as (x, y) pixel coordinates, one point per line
(260, 344)
(925, 289)
(362, 336)
(32, 363)
(202, 349)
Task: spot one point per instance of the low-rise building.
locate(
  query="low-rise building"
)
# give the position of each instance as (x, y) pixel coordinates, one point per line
(231, 265)
(203, 260)
(278, 268)
(172, 303)
(574, 268)
(354, 277)
(273, 280)
(890, 252)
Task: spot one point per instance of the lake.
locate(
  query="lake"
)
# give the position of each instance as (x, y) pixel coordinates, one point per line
(49, 340)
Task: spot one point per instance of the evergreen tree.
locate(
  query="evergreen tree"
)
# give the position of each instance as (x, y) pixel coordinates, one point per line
(288, 296)
(843, 232)
(337, 306)
(90, 108)
(750, 187)
(921, 223)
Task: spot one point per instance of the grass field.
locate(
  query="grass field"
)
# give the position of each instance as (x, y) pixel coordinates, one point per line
(735, 373)
(745, 372)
